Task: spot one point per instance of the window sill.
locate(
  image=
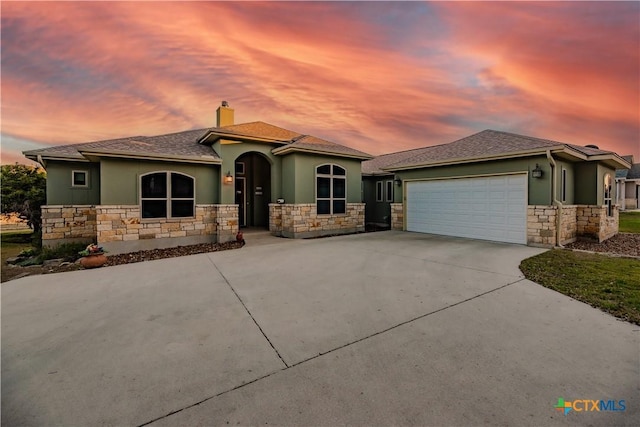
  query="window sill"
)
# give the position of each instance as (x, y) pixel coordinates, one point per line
(164, 219)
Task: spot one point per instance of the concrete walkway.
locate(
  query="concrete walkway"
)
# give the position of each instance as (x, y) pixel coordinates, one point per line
(371, 329)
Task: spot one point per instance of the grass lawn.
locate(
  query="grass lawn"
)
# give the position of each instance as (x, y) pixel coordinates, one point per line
(609, 283)
(629, 222)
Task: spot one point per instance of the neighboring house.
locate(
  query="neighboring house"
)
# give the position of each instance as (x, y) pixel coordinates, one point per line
(628, 185)
(497, 186)
(200, 186)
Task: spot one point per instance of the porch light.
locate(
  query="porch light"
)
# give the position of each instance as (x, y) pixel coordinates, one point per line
(228, 178)
(537, 172)
(398, 181)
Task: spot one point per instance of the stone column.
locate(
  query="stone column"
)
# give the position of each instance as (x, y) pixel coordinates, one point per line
(227, 225)
(275, 219)
(397, 216)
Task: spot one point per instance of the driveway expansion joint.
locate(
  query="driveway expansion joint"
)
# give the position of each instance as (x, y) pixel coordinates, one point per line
(422, 316)
(250, 314)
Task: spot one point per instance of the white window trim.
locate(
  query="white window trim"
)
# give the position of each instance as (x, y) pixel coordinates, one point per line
(563, 181)
(331, 199)
(379, 191)
(86, 178)
(608, 201)
(168, 199)
(388, 191)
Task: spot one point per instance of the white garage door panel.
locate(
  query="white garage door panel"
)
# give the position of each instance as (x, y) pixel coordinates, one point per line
(488, 208)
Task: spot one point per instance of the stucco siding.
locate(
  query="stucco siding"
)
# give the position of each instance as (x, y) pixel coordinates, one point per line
(570, 182)
(305, 177)
(230, 152)
(120, 179)
(539, 189)
(59, 185)
(586, 178)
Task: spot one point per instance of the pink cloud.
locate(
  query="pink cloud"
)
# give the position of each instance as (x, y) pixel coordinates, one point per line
(379, 78)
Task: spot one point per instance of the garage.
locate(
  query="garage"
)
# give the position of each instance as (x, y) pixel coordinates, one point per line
(488, 208)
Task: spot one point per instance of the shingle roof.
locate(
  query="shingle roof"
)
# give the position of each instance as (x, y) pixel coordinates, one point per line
(634, 172)
(621, 173)
(375, 165)
(482, 145)
(179, 145)
(260, 130)
(315, 144)
(185, 145)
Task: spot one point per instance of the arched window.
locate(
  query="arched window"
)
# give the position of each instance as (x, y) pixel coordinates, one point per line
(167, 195)
(331, 190)
(607, 194)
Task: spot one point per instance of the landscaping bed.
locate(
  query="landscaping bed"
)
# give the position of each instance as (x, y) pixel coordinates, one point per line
(59, 266)
(621, 244)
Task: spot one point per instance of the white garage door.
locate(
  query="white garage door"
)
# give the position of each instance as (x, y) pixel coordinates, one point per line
(487, 208)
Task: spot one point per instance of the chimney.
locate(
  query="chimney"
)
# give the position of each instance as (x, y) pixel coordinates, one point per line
(224, 115)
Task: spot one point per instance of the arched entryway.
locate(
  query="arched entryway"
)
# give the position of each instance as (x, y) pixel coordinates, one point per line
(253, 190)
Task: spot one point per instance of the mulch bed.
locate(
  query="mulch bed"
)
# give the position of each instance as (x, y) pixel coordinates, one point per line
(14, 272)
(627, 244)
(152, 254)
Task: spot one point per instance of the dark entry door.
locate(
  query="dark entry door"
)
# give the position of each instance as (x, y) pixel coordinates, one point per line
(253, 189)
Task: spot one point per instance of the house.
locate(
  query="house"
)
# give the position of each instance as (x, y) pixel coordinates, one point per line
(628, 185)
(203, 185)
(497, 186)
(200, 186)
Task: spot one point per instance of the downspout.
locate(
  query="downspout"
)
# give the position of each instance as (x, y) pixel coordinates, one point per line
(556, 202)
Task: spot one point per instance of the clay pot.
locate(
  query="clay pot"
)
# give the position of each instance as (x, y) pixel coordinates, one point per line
(93, 260)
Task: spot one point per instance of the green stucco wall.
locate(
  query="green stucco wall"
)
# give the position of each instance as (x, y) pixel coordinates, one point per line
(120, 179)
(230, 153)
(288, 179)
(59, 189)
(539, 190)
(302, 184)
(586, 178)
(570, 185)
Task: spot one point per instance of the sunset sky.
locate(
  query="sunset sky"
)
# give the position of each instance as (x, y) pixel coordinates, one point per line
(376, 76)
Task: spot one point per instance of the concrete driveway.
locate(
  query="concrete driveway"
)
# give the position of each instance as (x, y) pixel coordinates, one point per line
(370, 329)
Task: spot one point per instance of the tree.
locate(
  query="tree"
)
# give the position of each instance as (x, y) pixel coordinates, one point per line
(23, 191)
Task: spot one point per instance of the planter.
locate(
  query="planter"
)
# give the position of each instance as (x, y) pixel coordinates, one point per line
(93, 260)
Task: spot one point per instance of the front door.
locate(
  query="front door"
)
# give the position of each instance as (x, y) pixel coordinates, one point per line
(253, 190)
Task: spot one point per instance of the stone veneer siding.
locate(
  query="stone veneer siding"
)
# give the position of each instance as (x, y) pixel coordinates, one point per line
(64, 224)
(541, 225)
(397, 216)
(303, 221)
(594, 223)
(227, 222)
(121, 229)
(568, 224)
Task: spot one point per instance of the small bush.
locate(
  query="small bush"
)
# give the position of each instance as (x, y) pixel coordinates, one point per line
(68, 251)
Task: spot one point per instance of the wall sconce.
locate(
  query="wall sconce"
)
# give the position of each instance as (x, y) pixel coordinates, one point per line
(398, 181)
(537, 172)
(228, 178)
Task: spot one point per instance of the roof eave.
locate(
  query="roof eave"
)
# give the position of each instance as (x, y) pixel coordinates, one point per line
(289, 149)
(527, 153)
(159, 157)
(241, 137)
(34, 156)
(612, 160)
